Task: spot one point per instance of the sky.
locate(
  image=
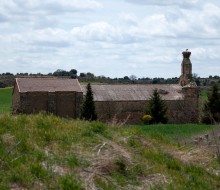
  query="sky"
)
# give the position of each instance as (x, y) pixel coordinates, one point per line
(114, 38)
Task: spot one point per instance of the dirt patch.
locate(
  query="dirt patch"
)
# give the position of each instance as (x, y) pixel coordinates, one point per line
(8, 139)
(16, 186)
(209, 139)
(194, 155)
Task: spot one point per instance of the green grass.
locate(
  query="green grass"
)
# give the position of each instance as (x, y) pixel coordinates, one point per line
(173, 131)
(46, 152)
(5, 100)
(203, 94)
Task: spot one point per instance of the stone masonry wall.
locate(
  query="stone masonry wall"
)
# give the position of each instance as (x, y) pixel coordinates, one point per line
(33, 102)
(191, 103)
(179, 111)
(15, 100)
(63, 104)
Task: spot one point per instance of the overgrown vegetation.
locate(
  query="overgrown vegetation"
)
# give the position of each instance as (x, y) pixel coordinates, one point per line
(46, 152)
(212, 106)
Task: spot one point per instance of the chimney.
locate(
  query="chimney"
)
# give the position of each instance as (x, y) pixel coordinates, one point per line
(186, 69)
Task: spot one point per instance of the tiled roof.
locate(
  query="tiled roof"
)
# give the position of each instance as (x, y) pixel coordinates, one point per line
(132, 92)
(47, 85)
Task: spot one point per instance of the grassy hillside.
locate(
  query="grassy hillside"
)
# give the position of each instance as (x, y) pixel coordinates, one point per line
(46, 152)
(5, 100)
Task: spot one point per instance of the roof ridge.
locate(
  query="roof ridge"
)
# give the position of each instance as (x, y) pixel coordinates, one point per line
(45, 78)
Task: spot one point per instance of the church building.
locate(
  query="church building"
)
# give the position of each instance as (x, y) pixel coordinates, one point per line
(123, 102)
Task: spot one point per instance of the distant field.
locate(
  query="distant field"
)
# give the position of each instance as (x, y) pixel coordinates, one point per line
(5, 100)
(173, 131)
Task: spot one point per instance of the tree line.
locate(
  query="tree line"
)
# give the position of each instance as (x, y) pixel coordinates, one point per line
(90, 77)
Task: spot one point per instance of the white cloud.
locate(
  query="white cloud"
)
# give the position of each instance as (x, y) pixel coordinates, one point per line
(49, 6)
(152, 25)
(181, 3)
(39, 14)
(99, 31)
(117, 40)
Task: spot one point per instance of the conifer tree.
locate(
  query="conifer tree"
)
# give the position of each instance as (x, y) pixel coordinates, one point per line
(157, 108)
(212, 106)
(88, 108)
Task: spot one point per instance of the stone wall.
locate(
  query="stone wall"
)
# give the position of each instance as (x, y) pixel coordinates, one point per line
(133, 111)
(63, 104)
(33, 102)
(15, 100)
(66, 104)
(191, 103)
(52, 108)
(179, 111)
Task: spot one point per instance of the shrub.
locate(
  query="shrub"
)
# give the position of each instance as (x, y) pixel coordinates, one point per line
(146, 119)
(212, 106)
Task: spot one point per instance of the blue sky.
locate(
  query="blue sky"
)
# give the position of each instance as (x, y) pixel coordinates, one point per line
(113, 38)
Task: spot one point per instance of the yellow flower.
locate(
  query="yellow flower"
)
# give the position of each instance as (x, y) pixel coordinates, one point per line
(146, 117)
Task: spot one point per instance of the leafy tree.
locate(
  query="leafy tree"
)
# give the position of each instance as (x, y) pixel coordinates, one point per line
(60, 72)
(157, 108)
(88, 108)
(212, 106)
(82, 75)
(126, 78)
(133, 77)
(73, 71)
(155, 81)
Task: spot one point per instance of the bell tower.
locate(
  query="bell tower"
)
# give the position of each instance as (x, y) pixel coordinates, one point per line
(186, 69)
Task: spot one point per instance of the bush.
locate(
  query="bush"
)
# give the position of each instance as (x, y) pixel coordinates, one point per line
(212, 106)
(146, 119)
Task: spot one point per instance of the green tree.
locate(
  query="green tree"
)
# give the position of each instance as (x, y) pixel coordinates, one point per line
(212, 106)
(88, 108)
(157, 108)
(73, 71)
